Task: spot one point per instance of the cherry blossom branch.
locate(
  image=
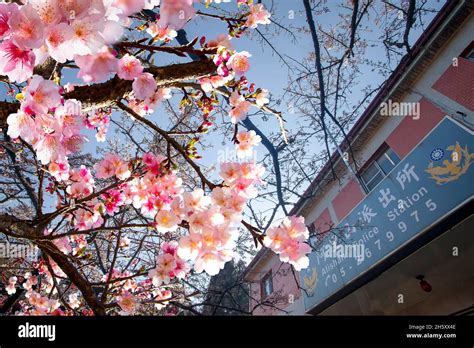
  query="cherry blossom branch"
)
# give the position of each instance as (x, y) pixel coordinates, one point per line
(178, 50)
(170, 140)
(74, 276)
(104, 95)
(224, 92)
(23, 229)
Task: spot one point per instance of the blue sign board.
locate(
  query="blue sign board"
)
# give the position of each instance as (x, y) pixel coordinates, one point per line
(434, 179)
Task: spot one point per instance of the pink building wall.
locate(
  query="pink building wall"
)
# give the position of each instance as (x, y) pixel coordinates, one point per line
(411, 131)
(347, 199)
(285, 288)
(455, 83)
(324, 222)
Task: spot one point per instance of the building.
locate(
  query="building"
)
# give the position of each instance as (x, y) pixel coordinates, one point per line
(397, 238)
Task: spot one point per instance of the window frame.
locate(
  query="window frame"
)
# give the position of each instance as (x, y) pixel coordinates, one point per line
(468, 51)
(373, 160)
(267, 276)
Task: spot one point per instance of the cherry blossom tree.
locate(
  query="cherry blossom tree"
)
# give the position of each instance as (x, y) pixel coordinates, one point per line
(139, 224)
(128, 232)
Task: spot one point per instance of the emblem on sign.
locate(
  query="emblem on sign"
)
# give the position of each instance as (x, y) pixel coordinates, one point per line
(310, 282)
(437, 154)
(452, 168)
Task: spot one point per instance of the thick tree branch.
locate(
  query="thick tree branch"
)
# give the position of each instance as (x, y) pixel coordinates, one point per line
(104, 95)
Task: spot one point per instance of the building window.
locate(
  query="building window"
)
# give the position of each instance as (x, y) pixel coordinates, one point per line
(266, 285)
(379, 168)
(470, 55)
(468, 52)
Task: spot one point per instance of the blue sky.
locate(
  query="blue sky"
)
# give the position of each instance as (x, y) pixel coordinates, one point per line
(267, 70)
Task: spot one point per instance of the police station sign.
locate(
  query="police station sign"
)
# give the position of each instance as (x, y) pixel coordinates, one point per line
(434, 179)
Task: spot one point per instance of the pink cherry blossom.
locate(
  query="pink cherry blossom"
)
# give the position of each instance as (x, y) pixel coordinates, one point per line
(96, 67)
(163, 273)
(112, 165)
(181, 269)
(206, 84)
(160, 296)
(246, 142)
(144, 86)
(57, 135)
(113, 200)
(166, 221)
(294, 253)
(74, 301)
(138, 106)
(275, 238)
(48, 10)
(58, 40)
(222, 40)
(68, 117)
(165, 34)
(159, 276)
(154, 101)
(26, 28)
(166, 262)
(239, 62)
(11, 287)
(258, 15)
(220, 60)
(71, 9)
(189, 246)
(60, 170)
(288, 240)
(48, 148)
(79, 190)
(149, 208)
(261, 98)
(63, 245)
(15, 62)
(123, 171)
(104, 169)
(129, 67)
(175, 13)
(6, 11)
(169, 248)
(153, 163)
(87, 38)
(129, 7)
(82, 182)
(200, 221)
(212, 261)
(85, 219)
(41, 95)
(195, 201)
(213, 82)
(295, 228)
(127, 302)
(242, 177)
(99, 120)
(240, 107)
(21, 125)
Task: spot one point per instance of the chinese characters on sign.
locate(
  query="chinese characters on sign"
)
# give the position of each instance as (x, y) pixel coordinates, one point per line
(402, 206)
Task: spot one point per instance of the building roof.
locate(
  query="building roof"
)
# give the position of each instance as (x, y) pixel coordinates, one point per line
(441, 28)
(405, 65)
